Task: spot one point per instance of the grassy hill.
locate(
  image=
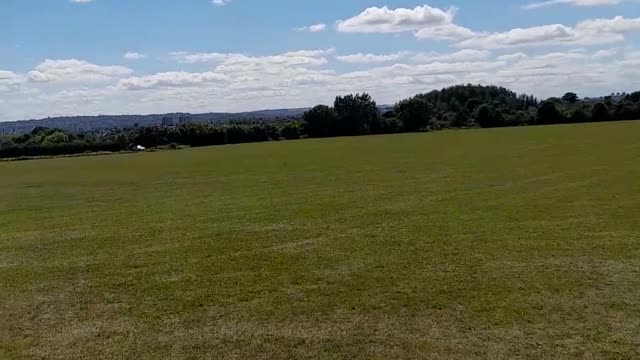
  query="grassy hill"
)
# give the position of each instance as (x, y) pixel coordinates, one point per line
(506, 243)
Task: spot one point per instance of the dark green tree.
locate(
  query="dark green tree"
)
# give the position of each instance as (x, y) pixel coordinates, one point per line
(548, 114)
(483, 116)
(357, 114)
(600, 112)
(57, 137)
(579, 116)
(291, 131)
(570, 97)
(415, 113)
(322, 121)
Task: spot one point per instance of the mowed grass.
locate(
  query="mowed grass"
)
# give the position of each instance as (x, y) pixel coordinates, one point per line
(498, 244)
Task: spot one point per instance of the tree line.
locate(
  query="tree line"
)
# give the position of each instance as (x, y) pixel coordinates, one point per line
(462, 106)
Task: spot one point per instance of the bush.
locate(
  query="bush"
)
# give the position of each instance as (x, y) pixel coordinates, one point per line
(291, 131)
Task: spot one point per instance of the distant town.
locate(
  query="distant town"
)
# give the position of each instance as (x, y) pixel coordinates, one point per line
(80, 124)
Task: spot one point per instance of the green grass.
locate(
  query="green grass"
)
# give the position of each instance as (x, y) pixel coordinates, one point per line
(500, 244)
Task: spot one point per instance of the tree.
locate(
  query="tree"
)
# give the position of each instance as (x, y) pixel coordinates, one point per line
(633, 97)
(321, 121)
(415, 113)
(472, 104)
(57, 137)
(122, 140)
(291, 131)
(600, 112)
(548, 114)
(483, 115)
(570, 97)
(357, 114)
(460, 118)
(579, 116)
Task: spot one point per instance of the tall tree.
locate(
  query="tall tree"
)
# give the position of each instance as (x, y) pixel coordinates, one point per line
(548, 114)
(415, 113)
(483, 115)
(570, 97)
(321, 121)
(357, 114)
(600, 112)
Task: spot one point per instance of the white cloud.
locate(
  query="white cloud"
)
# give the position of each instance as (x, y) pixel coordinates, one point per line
(7, 76)
(445, 32)
(80, 1)
(616, 25)
(583, 3)
(191, 58)
(240, 82)
(133, 56)
(462, 55)
(220, 2)
(170, 79)
(605, 54)
(425, 21)
(513, 57)
(9, 80)
(75, 70)
(371, 58)
(293, 58)
(313, 28)
(588, 32)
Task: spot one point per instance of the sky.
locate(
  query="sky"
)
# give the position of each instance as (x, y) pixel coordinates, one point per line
(91, 57)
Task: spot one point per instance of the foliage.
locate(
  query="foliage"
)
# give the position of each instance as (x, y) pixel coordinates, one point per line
(291, 131)
(322, 121)
(600, 112)
(548, 114)
(570, 97)
(357, 115)
(454, 107)
(415, 113)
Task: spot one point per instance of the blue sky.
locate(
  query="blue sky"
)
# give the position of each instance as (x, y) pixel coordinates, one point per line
(64, 57)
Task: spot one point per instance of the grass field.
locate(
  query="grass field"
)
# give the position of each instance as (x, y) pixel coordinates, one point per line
(499, 244)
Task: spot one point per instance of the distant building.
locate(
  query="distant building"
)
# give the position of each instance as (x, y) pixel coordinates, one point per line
(184, 119)
(167, 121)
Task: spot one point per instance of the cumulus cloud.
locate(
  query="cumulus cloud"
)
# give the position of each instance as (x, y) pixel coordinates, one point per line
(462, 55)
(465, 55)
(192, 58)
(361, 58)
(425, 21)
(588, 32)
(583, 3)
(604, 54)
(385, 20)
(74, 71)
(238, 82)
(133, 56)
(313, 28)
(220, 2)
(7, 76)
(292, 58)
(170, 79)
(513, 57)
(9, 80)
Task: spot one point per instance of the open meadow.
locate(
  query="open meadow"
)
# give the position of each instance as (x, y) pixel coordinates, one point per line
(498, 244)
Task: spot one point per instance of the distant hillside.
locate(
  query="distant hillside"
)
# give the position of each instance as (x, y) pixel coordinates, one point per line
(88, 123)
